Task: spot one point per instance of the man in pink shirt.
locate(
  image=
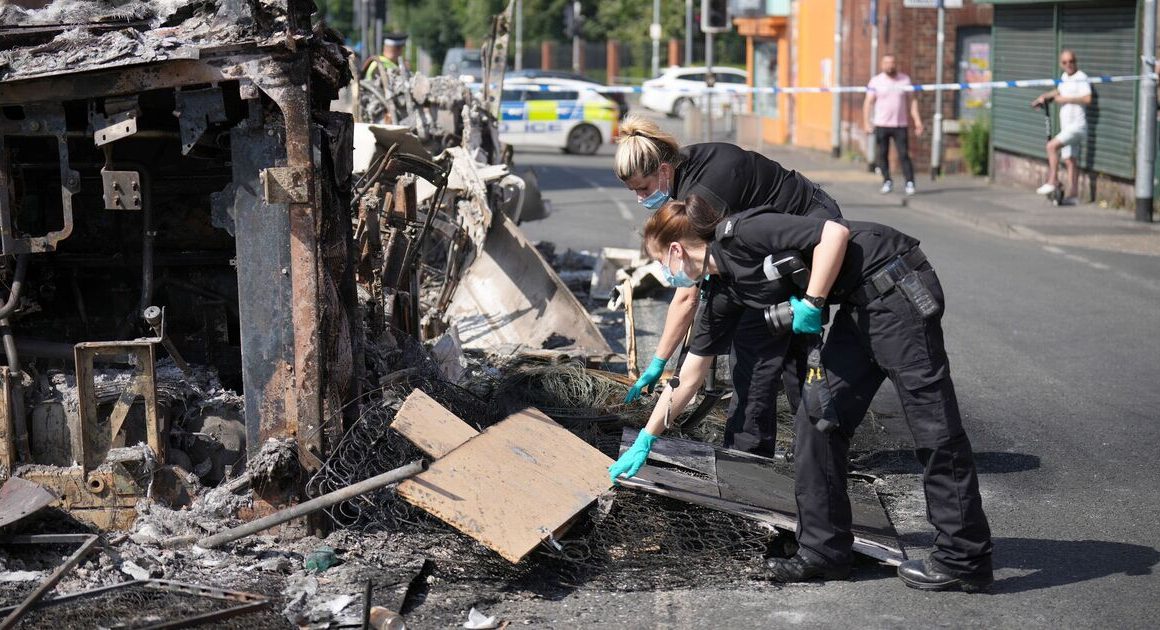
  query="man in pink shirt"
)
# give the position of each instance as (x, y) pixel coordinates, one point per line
(884, 113)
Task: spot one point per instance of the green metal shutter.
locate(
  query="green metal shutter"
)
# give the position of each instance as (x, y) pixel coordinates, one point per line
(1104, 40)
(1024, 48)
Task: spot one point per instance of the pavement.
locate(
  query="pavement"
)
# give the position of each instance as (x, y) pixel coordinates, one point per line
(997, 209)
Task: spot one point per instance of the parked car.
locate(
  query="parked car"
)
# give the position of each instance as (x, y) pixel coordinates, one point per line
(573, 117)
(620, 98)
(676, 90)
(466, 64)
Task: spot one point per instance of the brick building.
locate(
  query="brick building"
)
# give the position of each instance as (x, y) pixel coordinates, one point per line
(806, 58)
(911, 35)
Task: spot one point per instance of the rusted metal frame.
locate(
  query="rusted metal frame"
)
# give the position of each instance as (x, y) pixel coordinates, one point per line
(7, 430)
(248, 602)
(124, 80)
(44, 120)
(87, 542)
(293, 100)
(145, 381)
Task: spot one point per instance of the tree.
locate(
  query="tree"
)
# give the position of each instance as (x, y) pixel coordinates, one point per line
(339, 15)
(433, 25)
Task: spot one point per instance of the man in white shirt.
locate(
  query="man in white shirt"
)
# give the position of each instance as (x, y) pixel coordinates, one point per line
(1073, 95)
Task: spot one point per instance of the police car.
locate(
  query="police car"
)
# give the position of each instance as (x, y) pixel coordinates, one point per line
(562, 113)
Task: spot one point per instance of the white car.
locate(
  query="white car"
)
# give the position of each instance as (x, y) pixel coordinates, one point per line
(570, 115)
(678, 90)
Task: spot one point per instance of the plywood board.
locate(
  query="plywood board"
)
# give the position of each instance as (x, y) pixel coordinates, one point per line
(513, 485)
(434, 429)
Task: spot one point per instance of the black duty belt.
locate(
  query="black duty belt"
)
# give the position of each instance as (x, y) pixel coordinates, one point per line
(884, 280)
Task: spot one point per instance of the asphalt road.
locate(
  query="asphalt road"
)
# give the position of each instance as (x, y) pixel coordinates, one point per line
(1054, 351)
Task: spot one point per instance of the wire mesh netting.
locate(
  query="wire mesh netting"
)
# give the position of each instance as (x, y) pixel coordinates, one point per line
(140, 605)
(638, 541)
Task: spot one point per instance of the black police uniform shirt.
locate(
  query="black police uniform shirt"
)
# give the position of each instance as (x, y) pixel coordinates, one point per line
(734, 180)
(744, 240)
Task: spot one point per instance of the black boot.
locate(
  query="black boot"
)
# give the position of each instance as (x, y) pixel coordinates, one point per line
(918, 574)
(799, 569)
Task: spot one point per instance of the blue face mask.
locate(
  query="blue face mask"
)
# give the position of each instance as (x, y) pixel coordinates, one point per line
(680, 280)
(655, 200)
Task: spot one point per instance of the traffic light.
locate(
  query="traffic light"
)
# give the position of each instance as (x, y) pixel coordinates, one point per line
(715, 16)
(573, 20)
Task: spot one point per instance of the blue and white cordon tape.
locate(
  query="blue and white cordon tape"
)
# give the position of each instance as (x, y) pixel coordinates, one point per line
(844, 89)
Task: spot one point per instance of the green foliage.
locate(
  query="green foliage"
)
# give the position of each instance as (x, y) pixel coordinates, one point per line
(976, 141)
(474, 18)
(339, 15)
(433, 25)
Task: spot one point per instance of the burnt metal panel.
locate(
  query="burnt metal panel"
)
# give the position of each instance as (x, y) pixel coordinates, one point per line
(20, 498)
(286, 82)
(264, 291)
(119, 81)
(196, 110)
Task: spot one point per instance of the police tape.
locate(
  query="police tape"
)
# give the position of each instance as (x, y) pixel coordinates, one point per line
(845, 89)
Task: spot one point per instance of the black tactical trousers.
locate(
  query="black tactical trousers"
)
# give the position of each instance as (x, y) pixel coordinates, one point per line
(758, 361)
(887, 338)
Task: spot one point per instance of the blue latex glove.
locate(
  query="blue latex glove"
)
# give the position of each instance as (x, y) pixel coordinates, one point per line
(635, 457)
(807, 318)
(648, 379)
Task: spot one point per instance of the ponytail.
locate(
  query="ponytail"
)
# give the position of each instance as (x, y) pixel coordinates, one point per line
(643, 147)
(691, 220)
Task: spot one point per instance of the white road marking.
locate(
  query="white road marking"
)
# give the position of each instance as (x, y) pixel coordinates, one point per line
(1087, 261)
(621, 207)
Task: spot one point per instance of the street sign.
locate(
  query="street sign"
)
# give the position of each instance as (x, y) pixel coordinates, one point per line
(655, 31)
(932, 4)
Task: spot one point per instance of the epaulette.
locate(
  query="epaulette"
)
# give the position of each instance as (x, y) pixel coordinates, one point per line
(726, 229)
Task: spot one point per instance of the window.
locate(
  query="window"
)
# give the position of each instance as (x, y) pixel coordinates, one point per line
(551, 96)
(735, 79)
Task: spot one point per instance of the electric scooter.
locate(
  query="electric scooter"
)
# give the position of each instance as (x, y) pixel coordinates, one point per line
(1055, 196)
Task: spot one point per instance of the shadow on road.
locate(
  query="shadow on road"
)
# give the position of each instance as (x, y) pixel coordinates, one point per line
(903, 462)
(1060, 562)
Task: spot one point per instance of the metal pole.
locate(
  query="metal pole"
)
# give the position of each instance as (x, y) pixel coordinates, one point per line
(655, 35)
(688, 32)
(364, 25)
(313, 505)
(1146, 129)
(937, 139)
(872, 141)
(576, 38)
(519, 60)
(836, 80)
(709, 83)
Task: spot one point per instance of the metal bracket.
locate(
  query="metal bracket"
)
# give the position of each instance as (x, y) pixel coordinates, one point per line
(122, 189)
(144, 382)
(196, 109)
(114, 127)
(47, 121)
(286, 184)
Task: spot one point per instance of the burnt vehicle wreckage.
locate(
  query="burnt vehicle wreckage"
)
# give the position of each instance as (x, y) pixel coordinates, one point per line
(230, 308)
